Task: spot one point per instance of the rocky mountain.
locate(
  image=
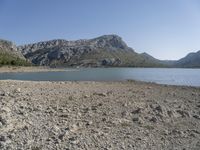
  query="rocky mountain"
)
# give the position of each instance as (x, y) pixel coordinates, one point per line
(9, 54)
(107, 50)
(192, 60)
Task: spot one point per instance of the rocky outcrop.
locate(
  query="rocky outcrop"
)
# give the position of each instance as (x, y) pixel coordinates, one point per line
(107, 50)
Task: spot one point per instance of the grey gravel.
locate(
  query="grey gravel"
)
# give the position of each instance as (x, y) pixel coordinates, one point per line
(98, 115)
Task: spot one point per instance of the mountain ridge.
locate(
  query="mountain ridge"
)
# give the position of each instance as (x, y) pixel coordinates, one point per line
(102, 51)
(106, 50)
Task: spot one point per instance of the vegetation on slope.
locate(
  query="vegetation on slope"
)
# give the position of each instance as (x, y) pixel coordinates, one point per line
(9, 59)
(126, 58)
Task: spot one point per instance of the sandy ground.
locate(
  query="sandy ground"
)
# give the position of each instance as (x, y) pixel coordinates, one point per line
(98, 116)
(28, 69)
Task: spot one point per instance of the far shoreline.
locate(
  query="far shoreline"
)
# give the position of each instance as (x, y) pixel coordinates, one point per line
(18, 69)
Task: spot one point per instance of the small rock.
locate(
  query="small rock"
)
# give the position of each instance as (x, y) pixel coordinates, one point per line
(192, 135)
(11, 135)
(125, 105)
(86, 96)
(73, 140)
(124, 113)
(196, 117)
(104, 119)
(3, 121)
(153, 119)
(74, 128)
(101, 94)
(135, 119)
(18, 90)
(55, 129)
(183, 113)
(6, 109)
(159, 108)
(26, 127)
(100, 104)
(2, 93)
(165, 132)
(62, 136)
(93, 108)
(170, 113)
(49, 110)
(173, 94)
(175, 131)
(89, 123)
(85, 110)
(71, 98)
(193, 94)
(195, 131)
(79, 114)
(138, 110)
(109, 92)
(2, 138)
(156, 107)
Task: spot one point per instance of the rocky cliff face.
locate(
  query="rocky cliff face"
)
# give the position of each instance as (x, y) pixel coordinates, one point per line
(109, 41)
(107, 50)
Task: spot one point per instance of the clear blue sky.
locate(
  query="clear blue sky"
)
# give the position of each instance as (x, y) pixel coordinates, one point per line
(166, 29)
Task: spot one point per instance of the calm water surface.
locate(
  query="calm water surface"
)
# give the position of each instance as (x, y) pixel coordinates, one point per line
(190, 77)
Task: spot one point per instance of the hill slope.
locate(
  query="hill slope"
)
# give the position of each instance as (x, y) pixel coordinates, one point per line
(9, 55)
(107, 50)
(192, 60)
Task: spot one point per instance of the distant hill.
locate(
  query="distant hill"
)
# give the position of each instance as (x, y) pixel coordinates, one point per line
(103, 51)
(107, 50)
(192, 60)
(9, 55)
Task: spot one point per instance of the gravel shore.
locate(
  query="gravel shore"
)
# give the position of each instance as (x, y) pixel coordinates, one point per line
(98, 116)
(8, 69)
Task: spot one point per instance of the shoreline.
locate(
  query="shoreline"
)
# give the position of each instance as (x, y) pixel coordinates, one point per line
(106, 82)
(116, 115)
(10, 69)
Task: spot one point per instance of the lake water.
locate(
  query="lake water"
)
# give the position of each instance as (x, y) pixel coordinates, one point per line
(190, 77)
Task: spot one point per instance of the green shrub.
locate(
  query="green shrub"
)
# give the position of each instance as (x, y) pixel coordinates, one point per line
(9, 59)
